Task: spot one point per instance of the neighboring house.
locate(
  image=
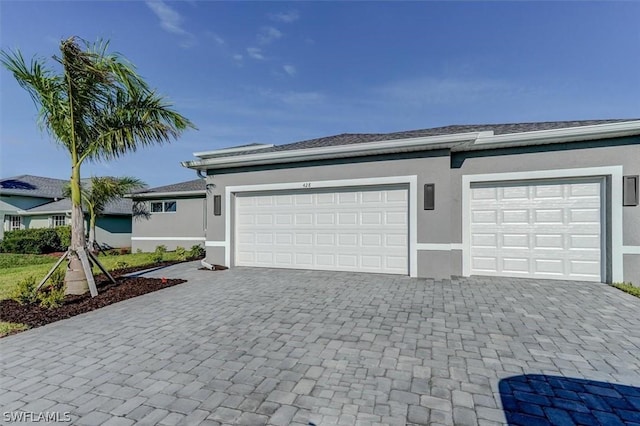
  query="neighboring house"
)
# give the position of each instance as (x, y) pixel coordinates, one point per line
(21, 193)
(37, 202)
(552, 200)
(176, 216)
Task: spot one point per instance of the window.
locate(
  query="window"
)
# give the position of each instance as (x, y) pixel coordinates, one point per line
(58, 220)
(13, 223)
(163, 206)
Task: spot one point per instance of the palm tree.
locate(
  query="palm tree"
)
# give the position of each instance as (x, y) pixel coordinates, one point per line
(98, 108)
(101, 191)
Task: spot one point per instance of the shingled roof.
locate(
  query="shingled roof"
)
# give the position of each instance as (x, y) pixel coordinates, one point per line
(188, 186)
(32, 186)
(121, 206)
(355, 138)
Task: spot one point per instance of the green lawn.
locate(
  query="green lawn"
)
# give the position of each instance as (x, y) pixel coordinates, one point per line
(16, 267)
(628, 288)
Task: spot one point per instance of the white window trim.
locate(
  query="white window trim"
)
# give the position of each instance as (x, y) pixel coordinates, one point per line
(163, 206)
(9, 225)
(614, 172)
(53, 220)
(411, 180)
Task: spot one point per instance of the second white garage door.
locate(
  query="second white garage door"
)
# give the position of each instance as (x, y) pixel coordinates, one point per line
(363, 230)
(548, 229)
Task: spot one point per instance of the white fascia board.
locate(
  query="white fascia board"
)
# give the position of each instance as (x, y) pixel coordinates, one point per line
(152, 195)
(568, 134)
(41, 213)
(206, 154)
(318, 153)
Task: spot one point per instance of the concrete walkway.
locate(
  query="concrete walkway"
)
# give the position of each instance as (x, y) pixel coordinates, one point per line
(263, 346)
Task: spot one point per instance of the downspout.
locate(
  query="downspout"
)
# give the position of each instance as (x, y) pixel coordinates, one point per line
(204, 213)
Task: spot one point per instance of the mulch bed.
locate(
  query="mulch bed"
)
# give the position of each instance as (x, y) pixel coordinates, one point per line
(34, 315)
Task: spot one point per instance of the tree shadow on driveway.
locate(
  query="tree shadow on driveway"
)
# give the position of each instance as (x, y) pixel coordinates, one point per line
(536, 399)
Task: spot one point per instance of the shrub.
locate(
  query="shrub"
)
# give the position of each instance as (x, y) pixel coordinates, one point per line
(64, 234)
(196, 252)
(25, 291)
(31, 241)
(124, 250)
(139, 250)
(181, 253)
(51, 297)
(121, 264)
(158, 254)
(57, 278)
(36, 240)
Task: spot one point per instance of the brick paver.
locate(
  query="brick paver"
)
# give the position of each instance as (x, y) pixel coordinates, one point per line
(263, 346)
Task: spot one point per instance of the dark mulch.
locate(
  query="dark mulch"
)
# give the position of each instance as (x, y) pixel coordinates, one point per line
(34, 315)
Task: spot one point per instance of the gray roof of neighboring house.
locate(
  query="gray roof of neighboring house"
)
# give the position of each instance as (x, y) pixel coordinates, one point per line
(188, 186)
(121, 206)
(354, 138)
(32, 186)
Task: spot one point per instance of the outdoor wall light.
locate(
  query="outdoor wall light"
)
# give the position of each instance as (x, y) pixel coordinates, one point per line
(217, 205)
(630, 190)
(429, 196)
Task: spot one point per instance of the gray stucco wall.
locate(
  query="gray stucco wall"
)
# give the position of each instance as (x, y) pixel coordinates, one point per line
(185, 227)
(444, 224)
(432, 226)
(114, 231)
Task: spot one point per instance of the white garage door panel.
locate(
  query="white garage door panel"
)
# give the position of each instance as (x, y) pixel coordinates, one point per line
(538, 230)
(351, 230)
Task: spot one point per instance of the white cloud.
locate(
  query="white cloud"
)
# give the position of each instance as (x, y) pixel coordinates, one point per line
(290, 69)
(292, 97)
(432, 90)
(268, 35)
(255, 53)
(286, 17)
(215, 37)
(171, 21)
(237, 57)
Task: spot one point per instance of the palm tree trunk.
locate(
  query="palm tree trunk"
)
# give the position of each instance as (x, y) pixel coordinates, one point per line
(92, 233)
(75, 280)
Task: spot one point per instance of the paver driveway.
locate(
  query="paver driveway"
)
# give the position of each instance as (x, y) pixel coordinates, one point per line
(252, 346)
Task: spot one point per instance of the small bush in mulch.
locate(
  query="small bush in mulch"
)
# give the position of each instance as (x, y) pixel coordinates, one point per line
(215, 268)
(34, 315)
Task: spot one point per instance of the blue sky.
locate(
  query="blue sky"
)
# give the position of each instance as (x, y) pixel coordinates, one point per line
(279, 72)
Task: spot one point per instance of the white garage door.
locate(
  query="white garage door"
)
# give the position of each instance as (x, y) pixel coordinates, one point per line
(352, 230)
(548, 229)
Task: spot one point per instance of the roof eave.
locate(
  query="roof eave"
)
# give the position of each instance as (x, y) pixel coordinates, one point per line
(151, 195)
(456, 142)
(66, 212)
(569, 134)
(336, 151)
